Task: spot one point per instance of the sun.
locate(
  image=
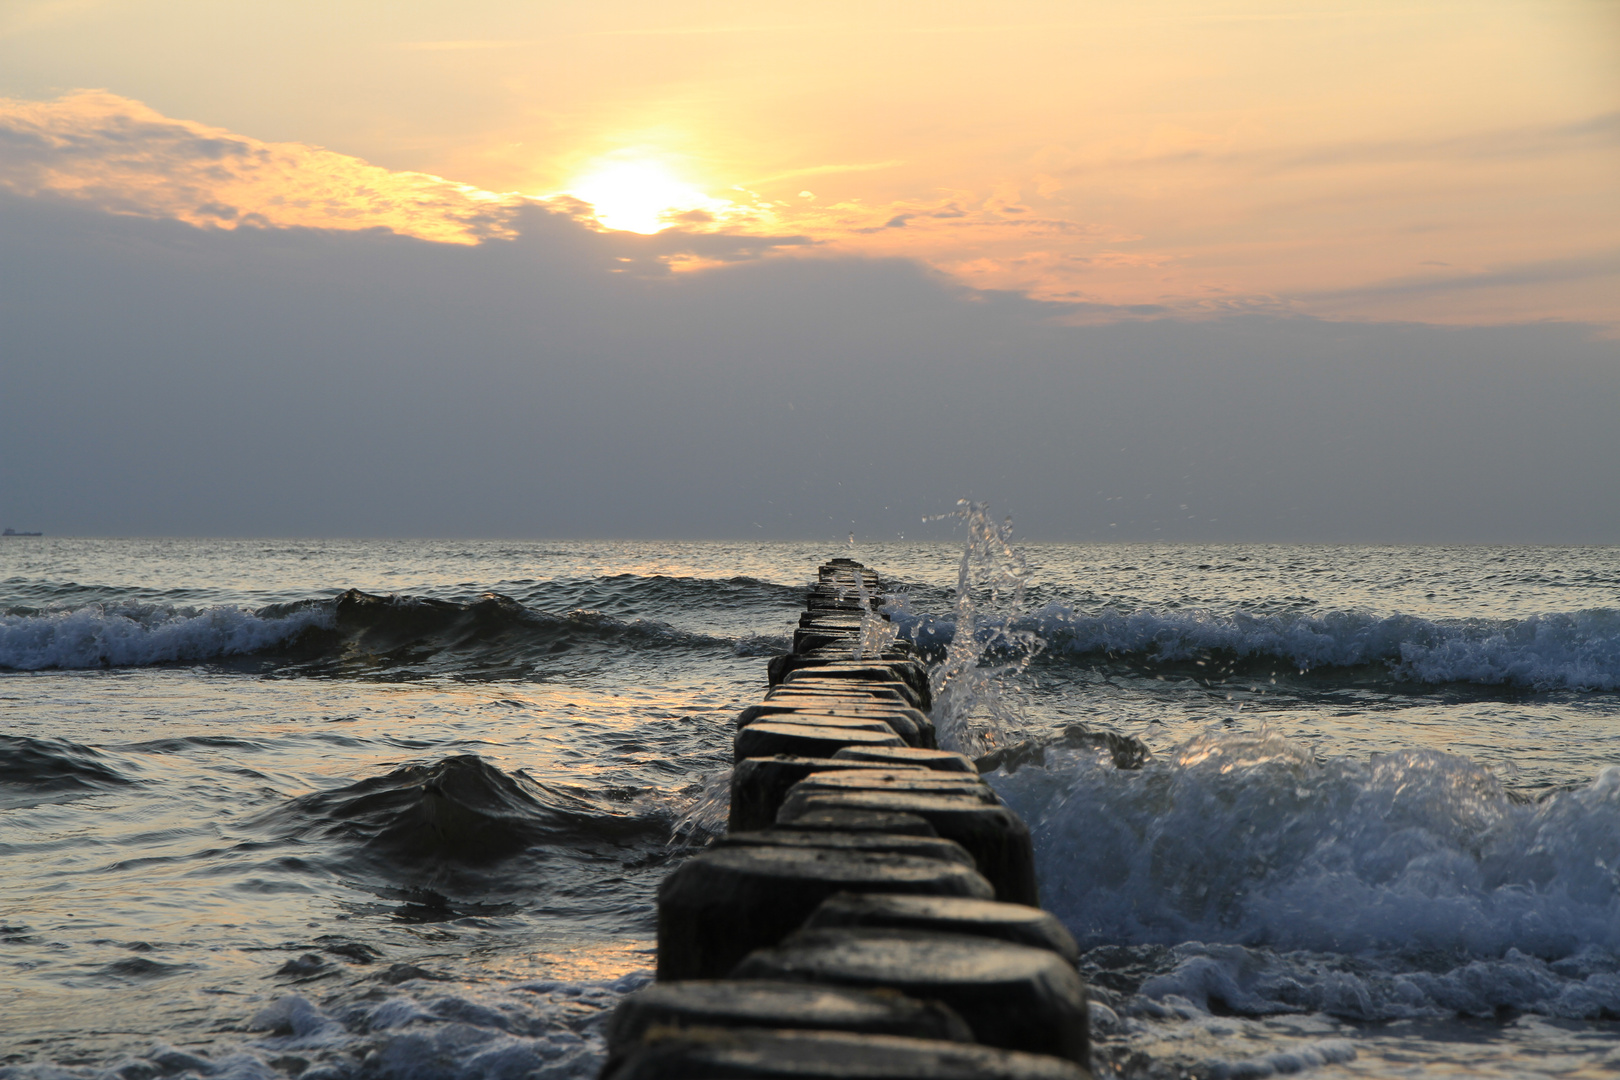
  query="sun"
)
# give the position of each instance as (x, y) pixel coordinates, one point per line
(640, 196)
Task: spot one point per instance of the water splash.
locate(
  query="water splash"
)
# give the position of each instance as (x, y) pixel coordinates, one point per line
(703, 817)
(978, 705)
(877, 633)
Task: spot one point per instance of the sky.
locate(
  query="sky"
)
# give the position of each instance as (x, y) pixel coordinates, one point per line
(1228, 271)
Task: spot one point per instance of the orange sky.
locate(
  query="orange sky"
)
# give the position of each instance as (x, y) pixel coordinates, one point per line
(1442, 162)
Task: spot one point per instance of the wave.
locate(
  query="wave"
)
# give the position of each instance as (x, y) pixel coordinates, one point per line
(460, 810)
(1560, 651)
(493, 635)
(353, 630)
(656, 594)
(1250, 849)
(34, 771)
(391, 1027)
(138, 635)
(1244, 981)
(540, 1028)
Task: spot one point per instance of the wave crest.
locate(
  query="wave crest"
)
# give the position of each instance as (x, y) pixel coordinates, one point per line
(1250, 840)
(1571, 651)
(459, 809)
(354, 630)
(139, 635)
(34, 771)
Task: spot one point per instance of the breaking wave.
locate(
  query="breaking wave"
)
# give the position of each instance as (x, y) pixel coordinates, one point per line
(1234, 979)
(542, 1028)
(1562, 651)
(1412, 884)
(409, 1028)
(139, 635)
(355, 629)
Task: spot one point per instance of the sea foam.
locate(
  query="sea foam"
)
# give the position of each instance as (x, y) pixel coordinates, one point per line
(412, 1032)
(1248, 844)
(134, 634)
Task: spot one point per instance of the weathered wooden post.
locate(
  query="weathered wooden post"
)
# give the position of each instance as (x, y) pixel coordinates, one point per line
(872, 911)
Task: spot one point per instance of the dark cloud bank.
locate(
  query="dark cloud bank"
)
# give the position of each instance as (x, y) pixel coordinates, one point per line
(161, 379)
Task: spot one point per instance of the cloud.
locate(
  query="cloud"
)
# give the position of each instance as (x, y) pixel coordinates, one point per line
(24, 16)
(163, 378)
(823, 170)
(120, 156)
(458, 45)
(1525, 142)
(1517, 143)
(1541, 272)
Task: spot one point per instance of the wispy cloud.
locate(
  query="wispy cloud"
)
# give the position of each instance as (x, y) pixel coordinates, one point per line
(700, 31)
(1600, 131)
(1091, 24)
(1534, 141)
(824, 170)
(23, 16)
(458, 46)
(1546, 271)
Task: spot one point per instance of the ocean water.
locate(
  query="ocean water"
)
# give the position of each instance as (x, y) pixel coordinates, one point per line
(255, 825)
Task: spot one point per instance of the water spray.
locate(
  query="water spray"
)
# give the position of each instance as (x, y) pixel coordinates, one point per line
(977, 705)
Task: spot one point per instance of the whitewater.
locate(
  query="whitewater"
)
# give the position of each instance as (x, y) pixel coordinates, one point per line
(1378, 832)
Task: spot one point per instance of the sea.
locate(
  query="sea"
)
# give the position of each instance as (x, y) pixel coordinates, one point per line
(398, 809)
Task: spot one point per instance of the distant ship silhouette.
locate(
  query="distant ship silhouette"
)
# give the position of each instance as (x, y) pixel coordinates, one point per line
(14, 532)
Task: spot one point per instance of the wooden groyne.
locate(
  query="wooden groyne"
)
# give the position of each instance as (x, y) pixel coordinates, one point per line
(871, 911)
